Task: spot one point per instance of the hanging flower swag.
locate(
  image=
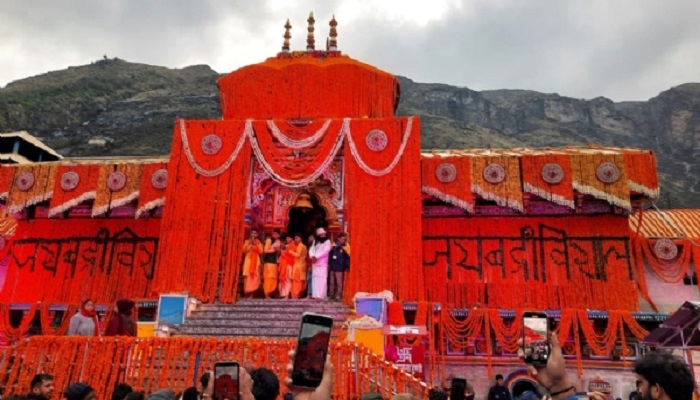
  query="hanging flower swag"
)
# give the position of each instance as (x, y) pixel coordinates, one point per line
(309, 157)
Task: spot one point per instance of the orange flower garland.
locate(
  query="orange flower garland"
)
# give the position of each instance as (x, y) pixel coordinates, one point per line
(152, 187)
(548, 175)
(308, 87)
(210, 209)
(505, 190)
(63, 325)
(10, 332)
(392, 237)
(69, 191)
(115, 191)
(55, 262)
(641, 171)
(32, 184)
(7, 174)
(448, 178)
(584, 168)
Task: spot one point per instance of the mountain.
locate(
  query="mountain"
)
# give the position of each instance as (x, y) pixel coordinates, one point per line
(132, 107)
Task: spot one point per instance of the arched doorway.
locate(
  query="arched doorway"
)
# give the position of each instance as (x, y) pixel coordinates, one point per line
(307, 220)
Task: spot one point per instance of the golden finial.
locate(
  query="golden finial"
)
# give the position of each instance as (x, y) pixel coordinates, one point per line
(310, 42)
(287, 36)
(333, 44)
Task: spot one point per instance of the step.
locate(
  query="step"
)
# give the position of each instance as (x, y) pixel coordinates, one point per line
(250, 322)
(226, 331)
(294, 316)
(274, 306)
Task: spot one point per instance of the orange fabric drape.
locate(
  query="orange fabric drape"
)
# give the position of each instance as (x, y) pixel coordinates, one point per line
(85, 190)
(540, 263)
(106, 199)
(150, 194)
(642, 171)
(458, 191)
(211, 210)
(384, 213)
(41, 190)
(534, 182)
(308, 87)
(507, 193)
(584, 166)
(101, 259)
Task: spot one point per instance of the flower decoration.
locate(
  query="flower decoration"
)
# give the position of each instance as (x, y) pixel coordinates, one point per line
(159, 179)
(69, 180)
(494, 173)
(552, 173)
(607, 173)
(376, 140)
(116, 181)
(665, 249)
(25, 181)
(446, 172)
(211, 144)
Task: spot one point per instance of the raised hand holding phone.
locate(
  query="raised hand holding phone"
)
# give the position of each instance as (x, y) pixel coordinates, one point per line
(226, 381)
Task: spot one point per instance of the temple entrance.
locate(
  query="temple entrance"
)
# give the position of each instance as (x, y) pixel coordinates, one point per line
(306, 215)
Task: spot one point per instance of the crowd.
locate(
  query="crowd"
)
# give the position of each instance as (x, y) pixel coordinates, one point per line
(85, 322)
(660, 376)
(290, 267)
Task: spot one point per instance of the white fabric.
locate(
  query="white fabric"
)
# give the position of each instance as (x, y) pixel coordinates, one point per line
(319, 269)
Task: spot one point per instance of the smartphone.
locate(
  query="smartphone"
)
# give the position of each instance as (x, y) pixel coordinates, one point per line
(312, 350)
(226, 381)
(459, 386)
(536, 338)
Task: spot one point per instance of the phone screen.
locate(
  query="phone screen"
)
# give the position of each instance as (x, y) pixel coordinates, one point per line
(312, 349)
(459, 386)
(535, 338)
(226, 381)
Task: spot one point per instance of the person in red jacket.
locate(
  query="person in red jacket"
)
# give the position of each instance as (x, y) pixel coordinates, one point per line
(122, 324)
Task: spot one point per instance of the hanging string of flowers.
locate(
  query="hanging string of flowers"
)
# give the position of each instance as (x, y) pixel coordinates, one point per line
(32, 184)
(46, 321)
(670, 268)
(642, 172)
(150, 364)
(154, 180)
(292, 143)
(448, 178)
(548, 175)
(74, 184)
(601, 175)
(10, 332)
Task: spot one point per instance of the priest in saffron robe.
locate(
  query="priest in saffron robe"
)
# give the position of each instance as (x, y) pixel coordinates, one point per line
(271, 254)
(285, 267)
(252, 248)
(319, 264)
(299, 269)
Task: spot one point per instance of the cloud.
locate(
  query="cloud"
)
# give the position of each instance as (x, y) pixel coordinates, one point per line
(625, 50)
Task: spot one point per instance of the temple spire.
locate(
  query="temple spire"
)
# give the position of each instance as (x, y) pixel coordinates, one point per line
(287, 36)
(310, 41)
(333, 44)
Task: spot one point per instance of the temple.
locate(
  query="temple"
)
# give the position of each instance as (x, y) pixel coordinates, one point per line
(465, 240)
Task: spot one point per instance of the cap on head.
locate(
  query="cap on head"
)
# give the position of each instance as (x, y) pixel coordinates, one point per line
(77, 391)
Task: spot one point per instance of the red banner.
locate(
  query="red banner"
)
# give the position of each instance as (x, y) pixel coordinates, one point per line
(410, 358)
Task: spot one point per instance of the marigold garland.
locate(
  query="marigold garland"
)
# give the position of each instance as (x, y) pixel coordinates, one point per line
(210, 209)
(10, 332)
(107, 199)
(150, 196)
(394, 202)
(85, 190)
(458, 191)
(88, 258)
(509, 192)
(308, 87)
(63, 324)
(41, 190)
(534, 182)
(642, 172)
(583, 167)
(154, 363)
(7, 174)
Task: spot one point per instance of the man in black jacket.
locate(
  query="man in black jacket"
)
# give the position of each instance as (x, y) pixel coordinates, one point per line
(339, 262)
(498, 391)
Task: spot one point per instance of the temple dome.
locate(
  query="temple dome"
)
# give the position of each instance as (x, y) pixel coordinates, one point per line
(308, 85)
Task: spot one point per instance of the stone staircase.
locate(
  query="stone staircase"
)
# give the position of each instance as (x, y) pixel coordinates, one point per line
(277, 318)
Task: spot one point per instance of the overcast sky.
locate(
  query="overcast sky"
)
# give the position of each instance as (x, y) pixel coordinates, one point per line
(620, 49)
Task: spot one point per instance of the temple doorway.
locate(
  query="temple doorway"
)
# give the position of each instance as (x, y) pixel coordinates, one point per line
(306, 215)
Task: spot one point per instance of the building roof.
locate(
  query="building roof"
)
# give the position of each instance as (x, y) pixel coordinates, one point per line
(676, 223)
(27, 137)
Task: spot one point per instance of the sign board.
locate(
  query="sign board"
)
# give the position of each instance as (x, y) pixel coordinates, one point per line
(405, 330)
(410, 358)
(171, 309)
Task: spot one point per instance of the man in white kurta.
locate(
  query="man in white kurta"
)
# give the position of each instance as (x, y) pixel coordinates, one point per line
(319, 264)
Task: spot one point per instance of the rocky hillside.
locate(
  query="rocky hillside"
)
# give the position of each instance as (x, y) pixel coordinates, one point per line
(132, 108)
